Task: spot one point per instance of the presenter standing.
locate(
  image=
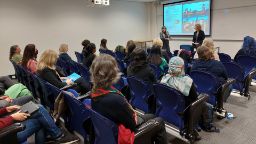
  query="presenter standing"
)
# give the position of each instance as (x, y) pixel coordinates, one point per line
(164, 36)
(198, 36)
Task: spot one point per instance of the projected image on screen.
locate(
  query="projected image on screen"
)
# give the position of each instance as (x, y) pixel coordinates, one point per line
(180, 18)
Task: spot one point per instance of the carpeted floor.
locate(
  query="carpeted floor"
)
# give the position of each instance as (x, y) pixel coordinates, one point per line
(241, 130)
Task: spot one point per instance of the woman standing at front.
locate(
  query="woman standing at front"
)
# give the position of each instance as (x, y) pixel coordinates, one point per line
(164, 36)
(198, 36)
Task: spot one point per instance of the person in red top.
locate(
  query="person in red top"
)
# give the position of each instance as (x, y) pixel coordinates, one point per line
(39, 123)
(112, 104)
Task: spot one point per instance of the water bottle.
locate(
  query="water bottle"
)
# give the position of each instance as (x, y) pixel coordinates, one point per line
(230, 116)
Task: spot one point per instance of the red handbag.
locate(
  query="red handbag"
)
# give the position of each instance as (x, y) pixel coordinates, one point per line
(125, 136)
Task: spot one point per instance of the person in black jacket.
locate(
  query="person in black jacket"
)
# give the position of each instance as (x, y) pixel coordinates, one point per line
(129, 48)
(198, 36)
(164, 36)
(89, 54)
(84, 44)
(47, 70)
(63, 53)
(112, 104)
(139, 66)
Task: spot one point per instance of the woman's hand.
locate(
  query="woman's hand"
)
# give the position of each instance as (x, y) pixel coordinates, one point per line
(12, 108)
(20, 116)
(7, 98)
(69, 81)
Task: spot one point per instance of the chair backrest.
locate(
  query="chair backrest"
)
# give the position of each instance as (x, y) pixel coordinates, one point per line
(79, 57)
(224, 57)
(236, 72)
(77, 115)
(105, 130)
(53, 92)
(247, 62)
(83, 71)
(121, 83)
(41, 90)
(187, 47)
(170, 102)
(121, 65)
(16, 70)
(157, 70)
(140, 91)
(206, 83)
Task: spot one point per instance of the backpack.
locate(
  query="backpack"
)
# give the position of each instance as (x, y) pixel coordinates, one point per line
(17, 90)
(206, 122)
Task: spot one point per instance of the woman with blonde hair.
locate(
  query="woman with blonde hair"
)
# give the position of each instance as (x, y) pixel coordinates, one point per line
(112, 104)
(63, 53)
(209, 43)
(198, 36)
(46, 69)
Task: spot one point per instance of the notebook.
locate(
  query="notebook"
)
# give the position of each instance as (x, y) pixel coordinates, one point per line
(29, 108)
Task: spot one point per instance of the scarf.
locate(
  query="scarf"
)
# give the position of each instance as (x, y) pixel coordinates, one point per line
(103, 91)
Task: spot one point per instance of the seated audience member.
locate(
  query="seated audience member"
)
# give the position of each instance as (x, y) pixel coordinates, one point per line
(177, 79)
(103, 44)
(155, 57)
(84, 44)
(15, 55)
(47, 71)
(89, 54)
(130, 47)
(139, 66)
(112, 104)
(38, 123)
(207, 64)
(63, 53)
(120, 49)
(165, 54)
(209, 43)
(29, 58)
(248, 48)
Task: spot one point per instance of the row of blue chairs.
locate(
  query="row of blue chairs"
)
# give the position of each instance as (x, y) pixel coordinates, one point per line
(243, 70)
(104, 129)
(69, 67)
(170, 104)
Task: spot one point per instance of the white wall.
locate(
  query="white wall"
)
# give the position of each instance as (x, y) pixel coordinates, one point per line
(231, 21)
(48, 23)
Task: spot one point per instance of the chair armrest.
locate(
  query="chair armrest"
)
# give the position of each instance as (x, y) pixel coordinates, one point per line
(12, 129)
(227, 83)
(251, 74)
(145, 131)
(68, 86)
(201, 97)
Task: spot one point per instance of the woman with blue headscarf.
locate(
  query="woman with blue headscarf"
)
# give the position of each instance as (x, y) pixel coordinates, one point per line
(248, 48)
(177, 79)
